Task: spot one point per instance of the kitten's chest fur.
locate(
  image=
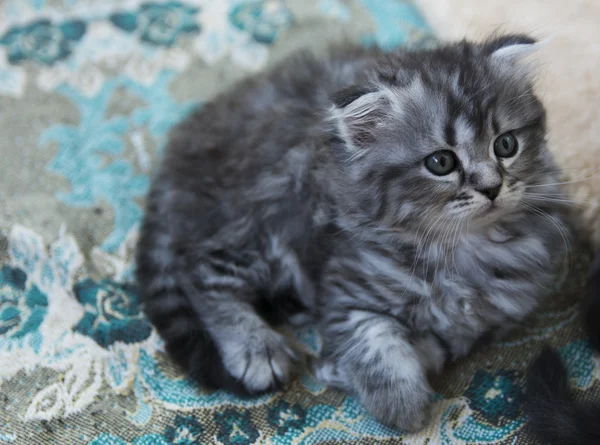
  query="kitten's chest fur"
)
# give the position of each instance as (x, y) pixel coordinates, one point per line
(460, 291)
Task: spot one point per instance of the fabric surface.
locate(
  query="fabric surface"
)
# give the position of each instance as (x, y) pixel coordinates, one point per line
(568, 80)
(88, 92)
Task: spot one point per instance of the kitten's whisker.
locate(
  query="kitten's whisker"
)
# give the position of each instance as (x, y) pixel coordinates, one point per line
(554, 200)
(565, 195)
(455, 226)
(557, 224)
(455, 246)
(422, 243)
(445, 237)
(456, 236)
(424, 219)
(446, 242)
(427, 235)
(418, 247)
(528, 186)
(563, 169)
(562, 196)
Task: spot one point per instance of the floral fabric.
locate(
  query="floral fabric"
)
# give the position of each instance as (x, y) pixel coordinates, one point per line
(88, 92)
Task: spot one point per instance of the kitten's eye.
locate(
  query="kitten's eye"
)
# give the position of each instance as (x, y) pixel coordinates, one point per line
(505, 145)
(441, 162)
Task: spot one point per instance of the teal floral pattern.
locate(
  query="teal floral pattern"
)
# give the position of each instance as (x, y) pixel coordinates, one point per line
(82, 158)
(90, 153)
(235, 427)
(22, 307)
(42, 41)
(395, 24)
(159, 23)
(185, 430)
(496, 396)
(581, 365)
(111, 313)
(264, 20)
(285, 417)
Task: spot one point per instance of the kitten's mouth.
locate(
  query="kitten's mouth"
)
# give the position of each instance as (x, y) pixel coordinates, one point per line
(488, 208)
(488, 212)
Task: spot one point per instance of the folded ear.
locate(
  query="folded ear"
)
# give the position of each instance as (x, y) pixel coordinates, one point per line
(509, 49)
(357, 111)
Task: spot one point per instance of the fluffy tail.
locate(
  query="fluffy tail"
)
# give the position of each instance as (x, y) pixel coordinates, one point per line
(591, 303)
(186, 339)
(168, 306)
(555, 417)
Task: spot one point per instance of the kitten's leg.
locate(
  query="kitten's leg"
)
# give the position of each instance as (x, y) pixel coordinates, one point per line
(203, 308)
(370, 355)
(251, 351)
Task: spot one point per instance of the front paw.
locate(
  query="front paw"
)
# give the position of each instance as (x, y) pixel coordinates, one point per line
(403, 405)
(260, 362)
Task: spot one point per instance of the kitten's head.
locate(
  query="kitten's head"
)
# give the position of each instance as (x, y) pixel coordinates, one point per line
(452, 134)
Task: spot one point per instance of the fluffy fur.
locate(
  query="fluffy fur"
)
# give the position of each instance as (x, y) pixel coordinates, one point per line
(555, 416)
(307, 188)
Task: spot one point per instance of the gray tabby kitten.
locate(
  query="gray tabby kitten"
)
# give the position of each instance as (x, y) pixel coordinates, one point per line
(385, 194)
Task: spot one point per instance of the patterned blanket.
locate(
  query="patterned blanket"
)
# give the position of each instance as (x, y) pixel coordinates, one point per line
(88, 92)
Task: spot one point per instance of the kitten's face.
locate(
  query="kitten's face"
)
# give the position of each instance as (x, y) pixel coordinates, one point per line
(453, 136)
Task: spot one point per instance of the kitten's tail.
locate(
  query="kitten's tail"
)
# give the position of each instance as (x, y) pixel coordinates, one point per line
(591, 303)
(555, 417)
(168, 306)
(186, 340)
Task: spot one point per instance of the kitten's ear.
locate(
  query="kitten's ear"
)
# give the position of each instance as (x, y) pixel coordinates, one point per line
(510, 49)
(357, 111)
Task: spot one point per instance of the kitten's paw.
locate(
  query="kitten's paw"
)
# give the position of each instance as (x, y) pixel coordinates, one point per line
(414, 421)
(260, 362)
(406, 408)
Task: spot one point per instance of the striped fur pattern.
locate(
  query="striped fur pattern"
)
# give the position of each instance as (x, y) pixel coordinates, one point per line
(306, 189)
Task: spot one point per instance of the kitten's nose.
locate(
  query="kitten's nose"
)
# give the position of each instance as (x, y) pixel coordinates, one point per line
(491, 192)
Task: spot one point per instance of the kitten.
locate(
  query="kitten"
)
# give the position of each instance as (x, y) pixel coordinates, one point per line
(399, 198)
(555, 417)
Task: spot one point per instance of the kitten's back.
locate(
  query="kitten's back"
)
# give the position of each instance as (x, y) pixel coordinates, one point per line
(260, 119)
(229, 219)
